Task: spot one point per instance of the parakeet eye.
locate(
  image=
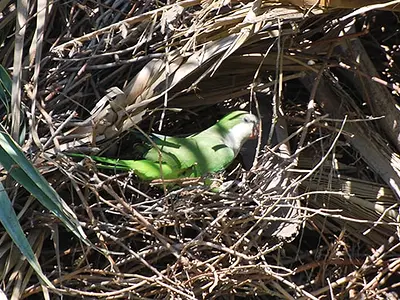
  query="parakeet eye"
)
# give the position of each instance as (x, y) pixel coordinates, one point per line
(247, 119)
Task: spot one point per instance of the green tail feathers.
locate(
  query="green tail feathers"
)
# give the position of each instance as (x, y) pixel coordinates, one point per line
(145, 169)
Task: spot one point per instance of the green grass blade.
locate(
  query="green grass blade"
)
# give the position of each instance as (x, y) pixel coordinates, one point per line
(5, 80)
(21, 169)
(5, 90)
(10, 222)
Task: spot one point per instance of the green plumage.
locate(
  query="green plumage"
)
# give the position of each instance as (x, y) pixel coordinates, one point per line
(209, 151)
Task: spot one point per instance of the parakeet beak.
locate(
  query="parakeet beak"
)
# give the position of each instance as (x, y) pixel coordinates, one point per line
(256, 131)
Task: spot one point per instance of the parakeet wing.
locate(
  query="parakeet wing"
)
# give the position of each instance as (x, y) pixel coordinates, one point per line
(201, 155)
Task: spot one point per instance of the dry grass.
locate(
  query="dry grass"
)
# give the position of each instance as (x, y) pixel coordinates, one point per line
(317, 213)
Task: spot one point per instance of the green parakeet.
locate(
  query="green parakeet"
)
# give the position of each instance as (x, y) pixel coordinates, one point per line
(209, 151)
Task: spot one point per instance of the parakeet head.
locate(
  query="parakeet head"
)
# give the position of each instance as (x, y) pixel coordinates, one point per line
(238, 127)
